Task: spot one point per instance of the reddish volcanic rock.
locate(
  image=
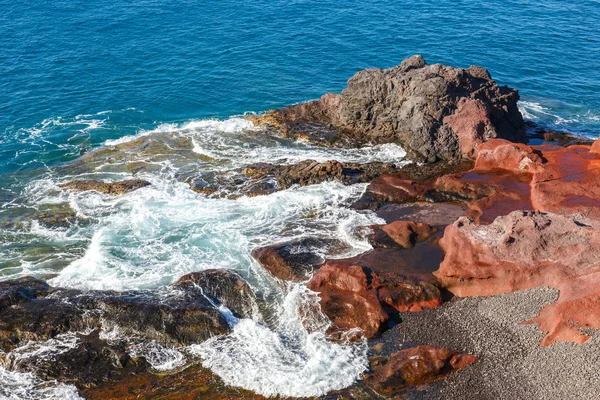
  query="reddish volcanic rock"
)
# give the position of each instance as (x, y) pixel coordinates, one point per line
(596, 146)
(353, 296)
(407, 233)
(502, 154)
(568, 182)
(471, 123)
(414, 366)
(524, 250)
(404, 234)
(348, 300)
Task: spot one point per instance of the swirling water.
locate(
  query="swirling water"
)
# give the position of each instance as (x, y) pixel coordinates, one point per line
(75, 76)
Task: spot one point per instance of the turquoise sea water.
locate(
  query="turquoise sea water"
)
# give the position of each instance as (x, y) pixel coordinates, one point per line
(78, 75)
(151, 61)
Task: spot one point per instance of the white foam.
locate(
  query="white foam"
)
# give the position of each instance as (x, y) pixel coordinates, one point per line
(26, 386)
(287, 360)
(148, 238)
(160, 357)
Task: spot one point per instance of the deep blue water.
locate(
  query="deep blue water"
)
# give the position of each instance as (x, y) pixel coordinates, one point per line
(147, 62)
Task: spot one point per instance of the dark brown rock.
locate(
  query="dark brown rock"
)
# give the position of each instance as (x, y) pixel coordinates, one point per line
(264, 178)
(31, 310)
(113, 188)
(92, 361)
(294, 260)
(435, 112)
(223, 286)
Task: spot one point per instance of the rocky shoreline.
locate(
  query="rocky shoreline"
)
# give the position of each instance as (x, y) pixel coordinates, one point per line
(485, 273)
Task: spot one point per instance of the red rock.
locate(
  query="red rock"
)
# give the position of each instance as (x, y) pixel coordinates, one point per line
(405, 293)
(577, 307)
(414, 366)
(568, 182)
(524, 250)
(596, 146)
(353, 296)
(471, 123)
(348, 300)
(407, 233)
(502, 154)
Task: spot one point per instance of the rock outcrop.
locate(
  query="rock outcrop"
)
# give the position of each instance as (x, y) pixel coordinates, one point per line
(413, 366)
(224, 287)
(265, 178)
(32, 310)
(353, 296)
(527, 249)
(112, 188)
(435, 112)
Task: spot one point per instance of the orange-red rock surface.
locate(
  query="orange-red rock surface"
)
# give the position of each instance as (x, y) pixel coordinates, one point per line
(353, 296)
(500, 249)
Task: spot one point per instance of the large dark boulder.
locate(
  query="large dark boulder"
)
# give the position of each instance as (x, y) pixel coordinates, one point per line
(224, 287)
(434, 111)
(32, 310)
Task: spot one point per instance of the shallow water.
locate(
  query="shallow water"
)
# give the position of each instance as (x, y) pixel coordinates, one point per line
(75, 76)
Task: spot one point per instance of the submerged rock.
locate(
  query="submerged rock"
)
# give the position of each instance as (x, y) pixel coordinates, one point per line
(413, 366)
(113, 188)
(294, 260)
(435, 112)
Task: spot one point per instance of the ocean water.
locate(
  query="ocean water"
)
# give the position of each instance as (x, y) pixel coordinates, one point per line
(76, 76)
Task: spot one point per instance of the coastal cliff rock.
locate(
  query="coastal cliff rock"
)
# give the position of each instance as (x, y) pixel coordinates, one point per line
(435, 112)
(413, 366)
(113, 188)
(527, 249)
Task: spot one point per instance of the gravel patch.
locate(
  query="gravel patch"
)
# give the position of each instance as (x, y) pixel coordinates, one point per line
(512, 363)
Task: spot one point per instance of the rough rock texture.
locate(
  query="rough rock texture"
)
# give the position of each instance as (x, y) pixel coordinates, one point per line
(113, 188)
(223, 286)
(596, 146)
(413, 366)
(353, 296)
(434, 111)
(193, 383)
(293, 260)
(91, 361)
(264, 178)
(404, 234)
(31, 310)
(528, 249)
